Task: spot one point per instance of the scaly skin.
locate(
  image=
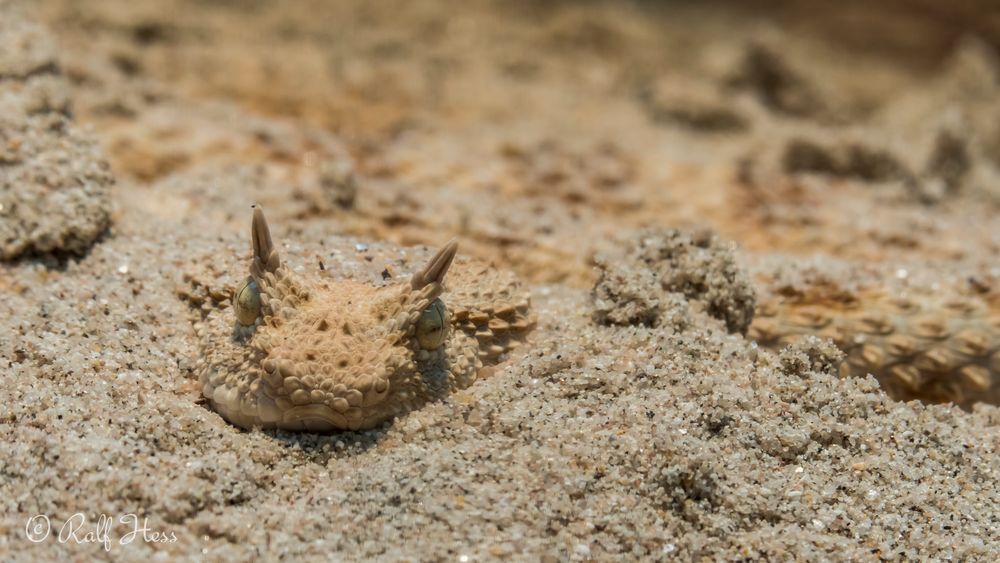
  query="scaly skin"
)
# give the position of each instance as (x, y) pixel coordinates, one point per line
(924, 346)
(326, 354)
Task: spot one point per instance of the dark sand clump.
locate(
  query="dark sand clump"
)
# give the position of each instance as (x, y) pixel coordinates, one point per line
(54, 182)
(669, 266)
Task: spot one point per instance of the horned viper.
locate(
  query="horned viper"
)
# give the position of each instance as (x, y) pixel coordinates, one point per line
(931, 346)
(297, 350)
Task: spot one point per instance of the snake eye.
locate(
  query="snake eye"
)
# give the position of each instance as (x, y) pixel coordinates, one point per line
(246, 303)
(432, 325)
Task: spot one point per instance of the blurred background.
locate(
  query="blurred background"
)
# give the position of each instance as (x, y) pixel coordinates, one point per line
(539, 129)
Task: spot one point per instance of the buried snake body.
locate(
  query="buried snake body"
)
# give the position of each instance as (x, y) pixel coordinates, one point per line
(287, 350)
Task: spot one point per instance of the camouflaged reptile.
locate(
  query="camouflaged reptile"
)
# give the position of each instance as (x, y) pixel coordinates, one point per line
(934, 346)
(290, 350)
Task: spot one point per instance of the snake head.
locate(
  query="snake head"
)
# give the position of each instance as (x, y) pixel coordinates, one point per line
(324, 354)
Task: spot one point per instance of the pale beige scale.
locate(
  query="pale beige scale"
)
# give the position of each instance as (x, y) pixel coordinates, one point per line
(930, 346)
(285, 350)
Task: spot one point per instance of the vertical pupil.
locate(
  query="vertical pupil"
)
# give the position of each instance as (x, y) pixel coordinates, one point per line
(247, 303)
(430, 327)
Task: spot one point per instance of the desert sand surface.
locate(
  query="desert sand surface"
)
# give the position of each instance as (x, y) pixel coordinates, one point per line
(761, 240)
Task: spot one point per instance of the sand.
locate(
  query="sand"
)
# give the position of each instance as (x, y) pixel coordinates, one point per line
(565, 142)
